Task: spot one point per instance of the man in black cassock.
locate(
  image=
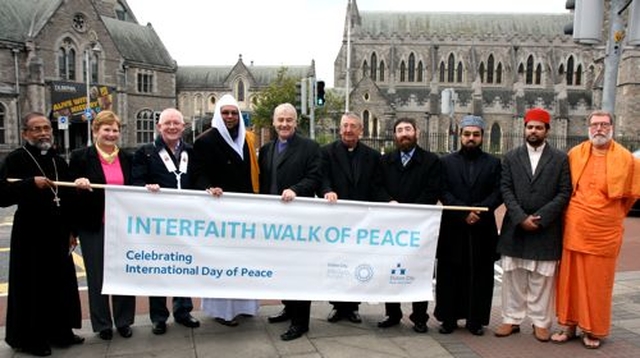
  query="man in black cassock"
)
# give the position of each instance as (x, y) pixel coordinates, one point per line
(467, 243)
(43, 304)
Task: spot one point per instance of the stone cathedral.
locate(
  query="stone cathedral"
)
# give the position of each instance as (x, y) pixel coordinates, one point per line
(404, 64)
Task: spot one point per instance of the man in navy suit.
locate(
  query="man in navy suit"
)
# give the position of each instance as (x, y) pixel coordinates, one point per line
(290, 166)
(350, 171)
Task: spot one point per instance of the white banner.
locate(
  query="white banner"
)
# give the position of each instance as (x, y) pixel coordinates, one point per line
(187, 243)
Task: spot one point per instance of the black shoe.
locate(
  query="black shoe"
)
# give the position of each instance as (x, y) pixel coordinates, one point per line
(224, 322)
(448, 327)
(334, 316)
(70, 340)
(293, 332)
(125, 331)
(354, 317)
(159, 327)
(106, 334)
(188, 321)
(42, 351)
(388, 322)
(280, 317)
(420, 327)
(475, 329)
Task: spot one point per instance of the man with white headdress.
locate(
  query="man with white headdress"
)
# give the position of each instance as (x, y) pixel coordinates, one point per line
(224, 159)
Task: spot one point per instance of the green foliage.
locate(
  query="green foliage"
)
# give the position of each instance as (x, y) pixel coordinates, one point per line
(281, 90)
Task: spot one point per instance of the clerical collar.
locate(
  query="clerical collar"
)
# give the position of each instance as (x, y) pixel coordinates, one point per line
(350, 149)
(35, 149)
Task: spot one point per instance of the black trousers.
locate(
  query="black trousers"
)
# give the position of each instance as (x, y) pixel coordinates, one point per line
(299, 311)
(419, 313)
(345, 306)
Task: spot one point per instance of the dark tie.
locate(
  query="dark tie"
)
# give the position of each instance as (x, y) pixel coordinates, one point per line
(282, 146)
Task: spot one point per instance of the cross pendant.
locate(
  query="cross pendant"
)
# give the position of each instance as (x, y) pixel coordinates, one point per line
(57, 201)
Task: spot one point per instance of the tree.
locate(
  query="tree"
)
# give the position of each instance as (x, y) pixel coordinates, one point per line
(328, 116)
(281, 90)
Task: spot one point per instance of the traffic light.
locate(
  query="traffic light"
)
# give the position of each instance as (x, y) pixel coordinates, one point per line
(298, 97)
(320, 93)
(588, 16)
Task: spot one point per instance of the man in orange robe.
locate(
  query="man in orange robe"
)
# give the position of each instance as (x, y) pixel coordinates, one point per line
(606, 183)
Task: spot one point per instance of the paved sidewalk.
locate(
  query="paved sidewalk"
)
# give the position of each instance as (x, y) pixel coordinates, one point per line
(254, 337)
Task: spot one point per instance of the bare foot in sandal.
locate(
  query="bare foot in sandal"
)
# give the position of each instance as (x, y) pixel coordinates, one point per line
(590, 342)
(565, 335)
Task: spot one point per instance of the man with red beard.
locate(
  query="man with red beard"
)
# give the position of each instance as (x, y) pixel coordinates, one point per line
(410, 175)
(535, 186)
(606, 183)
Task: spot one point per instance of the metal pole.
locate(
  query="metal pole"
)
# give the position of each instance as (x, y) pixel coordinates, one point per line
(346, 99)
(612, 56)
(88, 110)
(312, 108)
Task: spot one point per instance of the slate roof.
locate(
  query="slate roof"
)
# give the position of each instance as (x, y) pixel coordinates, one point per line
(20, 19)
(386, 23)
(138, 43)
(214, 76)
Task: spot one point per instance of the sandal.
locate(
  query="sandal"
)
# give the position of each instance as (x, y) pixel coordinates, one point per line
(564, 336)
(590, 342)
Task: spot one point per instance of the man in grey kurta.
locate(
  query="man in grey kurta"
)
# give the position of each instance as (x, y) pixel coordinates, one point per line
(535, 186)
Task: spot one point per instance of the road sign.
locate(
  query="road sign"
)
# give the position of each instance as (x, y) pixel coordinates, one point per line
(63, 123)
(87, 114)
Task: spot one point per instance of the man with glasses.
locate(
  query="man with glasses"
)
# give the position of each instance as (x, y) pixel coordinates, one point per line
(43, 303)
(606, 183)
(163, 164)
(224, 159)
(468, 239)
(535, 187)
(410, 175)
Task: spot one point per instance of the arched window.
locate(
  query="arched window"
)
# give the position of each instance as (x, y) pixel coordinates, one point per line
(365, 123)
(441, 71)
(459, 72)
(412, 68)
(145, 126)
(529, 78)
(3, 116)
(490, 69)
(451, 67)
(198, 106)
(481, 72)
(381, 71)
(67, 60)
(420, 71)
(94, 67)
(374, 63)
(499, 73)
(538, 74)
(365, 69)
(374, 130)
(211, 104)
(570, 71)
(578, 75)
(240, 91)
(495, 139)
(403, 70)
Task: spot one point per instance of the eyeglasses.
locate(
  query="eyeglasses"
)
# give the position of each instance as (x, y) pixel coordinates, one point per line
(39, 129)
(472, 134)
(226, 113)
(604, 125)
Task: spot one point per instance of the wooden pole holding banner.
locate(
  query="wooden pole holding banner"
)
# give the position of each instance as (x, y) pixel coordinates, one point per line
(103, 186)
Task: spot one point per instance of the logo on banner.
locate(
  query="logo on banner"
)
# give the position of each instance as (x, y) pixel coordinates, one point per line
(364, 272)
(399, 276)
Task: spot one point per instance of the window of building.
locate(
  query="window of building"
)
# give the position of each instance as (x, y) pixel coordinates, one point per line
(420, 72)
(499, 73)
(240, 91)
(374, 62)
(365, 123)
(67, 60)
(529, 74)
(145, 126)
(198, 105)
(481, 72)
(538, 74)
(490, 65)
(3, 116)
(374, 130)
(442, 71)
(459, 72)
(94, 68)
(211, 104)
(365, 69)
(403, 71)
(570, 71)
(412, 68)
(381, 71)
(145, 82)
(79, 22)
(121, 12)
(578, 80)
(451, 68)
(495, 138)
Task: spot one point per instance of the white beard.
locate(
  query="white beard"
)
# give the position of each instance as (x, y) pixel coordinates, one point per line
(599, 140)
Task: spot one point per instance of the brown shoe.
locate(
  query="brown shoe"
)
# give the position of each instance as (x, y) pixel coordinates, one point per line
(506, 329)
(541, 334)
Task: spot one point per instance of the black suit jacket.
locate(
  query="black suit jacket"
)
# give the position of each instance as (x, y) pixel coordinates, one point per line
(299, 168)
(358, 179)
(418, 183)
(84, 163)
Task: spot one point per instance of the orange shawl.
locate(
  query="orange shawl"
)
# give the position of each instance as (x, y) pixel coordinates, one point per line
(253, 158)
